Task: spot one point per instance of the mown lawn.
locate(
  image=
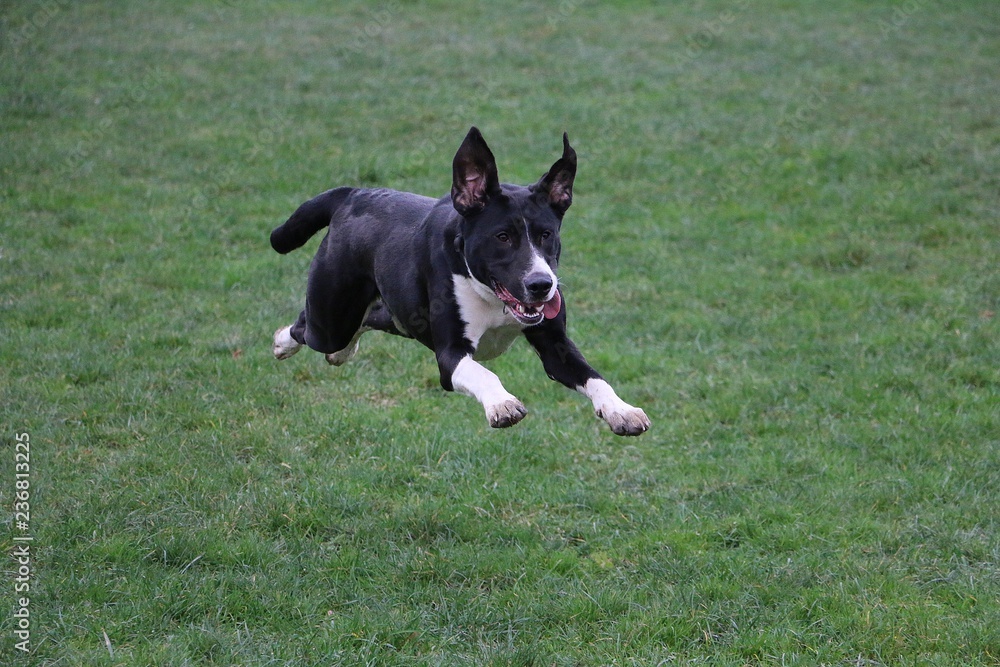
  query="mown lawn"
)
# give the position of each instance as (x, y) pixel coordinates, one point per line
(783, 246)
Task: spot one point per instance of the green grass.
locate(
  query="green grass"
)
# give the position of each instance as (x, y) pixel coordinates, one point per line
(783, 247)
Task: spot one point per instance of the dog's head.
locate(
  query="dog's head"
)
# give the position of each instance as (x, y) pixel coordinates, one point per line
(510, 233)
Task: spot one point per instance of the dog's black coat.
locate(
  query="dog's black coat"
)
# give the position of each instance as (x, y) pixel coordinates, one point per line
(412, 265)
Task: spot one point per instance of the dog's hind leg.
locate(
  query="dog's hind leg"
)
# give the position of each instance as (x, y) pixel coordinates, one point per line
(289, 340)
(343, 356)
(334, 318)
(377, 318)
(284, 345)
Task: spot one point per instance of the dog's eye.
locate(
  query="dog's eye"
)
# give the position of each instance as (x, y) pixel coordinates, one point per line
(546, 234)
(503, 237)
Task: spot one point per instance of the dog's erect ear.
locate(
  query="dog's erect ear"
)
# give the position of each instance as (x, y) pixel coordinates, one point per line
(557, 184)
(474, 175)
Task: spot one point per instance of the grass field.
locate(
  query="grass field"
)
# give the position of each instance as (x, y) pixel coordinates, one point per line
(784, 247)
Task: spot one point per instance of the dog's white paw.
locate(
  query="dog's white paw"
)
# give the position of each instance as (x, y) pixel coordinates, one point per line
(284, 345)
(625, 419)
(506, 413)
(342, 357)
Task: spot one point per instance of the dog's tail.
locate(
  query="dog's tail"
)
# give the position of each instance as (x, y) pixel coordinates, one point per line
(310, 217)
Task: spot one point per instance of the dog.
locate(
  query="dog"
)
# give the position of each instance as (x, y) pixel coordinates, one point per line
(465, 275)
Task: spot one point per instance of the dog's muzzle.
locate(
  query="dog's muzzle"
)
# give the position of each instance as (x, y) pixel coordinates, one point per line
(528, 313)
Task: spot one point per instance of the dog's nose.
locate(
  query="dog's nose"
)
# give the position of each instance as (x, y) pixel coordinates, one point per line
(538, 284)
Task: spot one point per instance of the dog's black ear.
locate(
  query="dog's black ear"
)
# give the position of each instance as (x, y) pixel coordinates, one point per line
(557, 184)
(474, 175)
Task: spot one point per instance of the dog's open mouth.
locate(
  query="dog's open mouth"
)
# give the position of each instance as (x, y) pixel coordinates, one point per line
(528, 313)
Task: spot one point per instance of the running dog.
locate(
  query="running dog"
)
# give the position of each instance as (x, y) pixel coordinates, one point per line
(465, 275)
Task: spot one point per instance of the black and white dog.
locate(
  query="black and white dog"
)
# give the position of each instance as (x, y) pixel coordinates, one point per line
(465, 275)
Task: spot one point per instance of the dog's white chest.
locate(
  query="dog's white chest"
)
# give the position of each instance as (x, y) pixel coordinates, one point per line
(495, 342)
(487, 324)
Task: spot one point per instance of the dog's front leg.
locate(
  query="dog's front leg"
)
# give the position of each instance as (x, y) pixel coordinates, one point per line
(564, 363)
(469, 377)
(624, 419)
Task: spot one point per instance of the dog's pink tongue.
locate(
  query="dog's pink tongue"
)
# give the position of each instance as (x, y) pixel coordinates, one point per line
(552, 306)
